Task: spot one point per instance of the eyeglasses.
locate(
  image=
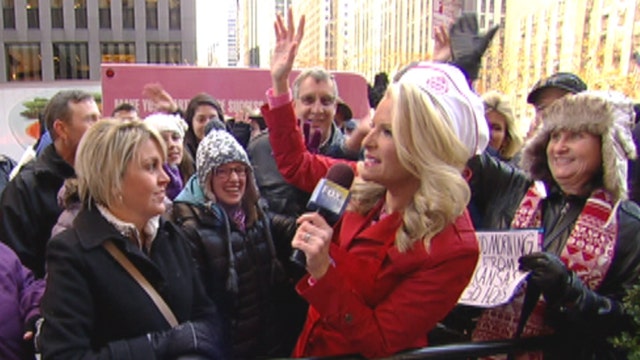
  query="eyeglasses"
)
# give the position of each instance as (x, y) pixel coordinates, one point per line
(225, 173)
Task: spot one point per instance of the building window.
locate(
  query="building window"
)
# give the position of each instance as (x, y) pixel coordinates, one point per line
(164, 53)
(174, 15)
(9, 14)
(57, 16)
(128, 14)
(115, 52)
(104, 14)
(80, 8)
(152, 14)
(23, 61)
(33, 14)
(71, 60)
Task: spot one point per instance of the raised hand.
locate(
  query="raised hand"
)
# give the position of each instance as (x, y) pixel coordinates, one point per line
(161, 99)
(442, 50)
(284, 53)
(467, 45)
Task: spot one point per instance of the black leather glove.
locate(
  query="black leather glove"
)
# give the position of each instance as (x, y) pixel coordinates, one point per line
(188, 338)
(467, 45)
(550, 274)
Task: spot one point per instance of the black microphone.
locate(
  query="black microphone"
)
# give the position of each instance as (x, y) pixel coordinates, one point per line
(329, 199)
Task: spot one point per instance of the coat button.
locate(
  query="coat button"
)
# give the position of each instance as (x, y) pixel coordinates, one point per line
(348, 318)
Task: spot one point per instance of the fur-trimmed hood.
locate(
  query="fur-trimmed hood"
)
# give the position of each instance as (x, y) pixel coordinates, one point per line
(607, 114)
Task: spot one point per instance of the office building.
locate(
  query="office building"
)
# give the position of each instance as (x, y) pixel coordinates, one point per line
(47, 40)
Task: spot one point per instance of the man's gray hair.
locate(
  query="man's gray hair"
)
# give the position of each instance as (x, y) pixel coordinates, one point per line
(317, 73)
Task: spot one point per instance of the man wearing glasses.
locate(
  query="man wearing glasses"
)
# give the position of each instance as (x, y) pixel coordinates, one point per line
(315, 100)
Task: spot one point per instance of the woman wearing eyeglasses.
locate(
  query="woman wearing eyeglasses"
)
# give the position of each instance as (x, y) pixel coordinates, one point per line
(234, 243)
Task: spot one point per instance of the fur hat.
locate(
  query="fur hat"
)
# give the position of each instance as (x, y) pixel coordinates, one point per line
(216, 149)
(463, 109)
(607, 114)
(167, 122)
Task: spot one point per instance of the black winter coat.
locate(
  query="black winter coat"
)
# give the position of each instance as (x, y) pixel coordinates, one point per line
(6, 165)
(93, 308)
(283, 198)
(243, 273)
(497, 190)
(29, 207)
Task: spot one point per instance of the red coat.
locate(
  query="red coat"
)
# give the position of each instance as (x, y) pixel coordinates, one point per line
(375, 301)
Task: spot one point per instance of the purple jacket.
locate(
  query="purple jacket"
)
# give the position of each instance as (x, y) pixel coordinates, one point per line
(20, 295)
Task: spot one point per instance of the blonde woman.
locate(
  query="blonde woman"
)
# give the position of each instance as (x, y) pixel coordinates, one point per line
(505, 141)
(92, 307)
(398, 260)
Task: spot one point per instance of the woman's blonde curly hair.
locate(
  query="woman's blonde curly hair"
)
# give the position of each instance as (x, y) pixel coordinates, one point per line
(428, 149)
(500, 103)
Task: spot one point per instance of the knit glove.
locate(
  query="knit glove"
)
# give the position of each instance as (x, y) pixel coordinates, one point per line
(188, 338)
(467, 45)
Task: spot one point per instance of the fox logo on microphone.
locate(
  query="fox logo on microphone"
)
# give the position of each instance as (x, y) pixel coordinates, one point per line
(329, 198)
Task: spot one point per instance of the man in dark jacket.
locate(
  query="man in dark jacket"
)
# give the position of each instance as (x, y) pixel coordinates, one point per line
(6, 165)
(29, 206)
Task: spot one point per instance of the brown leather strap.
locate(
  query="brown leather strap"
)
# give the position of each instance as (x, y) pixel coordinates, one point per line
(142, 281)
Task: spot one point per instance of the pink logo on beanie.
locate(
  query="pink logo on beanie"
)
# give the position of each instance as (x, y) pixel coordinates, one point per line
(463, 109)
(438, 85)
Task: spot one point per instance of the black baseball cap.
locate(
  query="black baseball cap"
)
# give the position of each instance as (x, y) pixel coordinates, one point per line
(562, 80)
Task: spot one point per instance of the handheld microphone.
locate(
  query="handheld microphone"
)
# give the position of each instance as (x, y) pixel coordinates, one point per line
(329, 199)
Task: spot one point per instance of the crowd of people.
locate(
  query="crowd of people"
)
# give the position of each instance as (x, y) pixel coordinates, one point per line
(170, 237)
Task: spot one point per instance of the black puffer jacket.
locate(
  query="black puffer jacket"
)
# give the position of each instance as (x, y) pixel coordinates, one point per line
(242, 272)
(497, 190)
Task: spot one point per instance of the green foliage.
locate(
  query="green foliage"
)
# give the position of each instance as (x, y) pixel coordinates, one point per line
(98, 97)
(34, 107)
(631, 340)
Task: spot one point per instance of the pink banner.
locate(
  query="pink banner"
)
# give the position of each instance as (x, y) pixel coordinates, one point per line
(235, 88)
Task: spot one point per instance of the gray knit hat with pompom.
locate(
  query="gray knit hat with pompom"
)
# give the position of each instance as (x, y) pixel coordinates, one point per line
(216, 149)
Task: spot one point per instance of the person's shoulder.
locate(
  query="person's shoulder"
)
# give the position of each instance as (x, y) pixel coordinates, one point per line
(631, 210)
(204, 216)
(66, 241)
(457, 239)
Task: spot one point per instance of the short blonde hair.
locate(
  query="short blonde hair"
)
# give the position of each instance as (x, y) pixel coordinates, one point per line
(428, 148)
(496, 101)
(104, 153)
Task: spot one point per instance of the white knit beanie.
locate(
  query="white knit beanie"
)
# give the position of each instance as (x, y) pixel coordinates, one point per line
(463, 109)
(167, 122)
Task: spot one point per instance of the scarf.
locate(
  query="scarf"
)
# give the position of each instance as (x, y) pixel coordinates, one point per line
(588, 253)
(237, 215)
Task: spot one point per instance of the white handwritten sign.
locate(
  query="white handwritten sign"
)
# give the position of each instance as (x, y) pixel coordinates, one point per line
(496, 275)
